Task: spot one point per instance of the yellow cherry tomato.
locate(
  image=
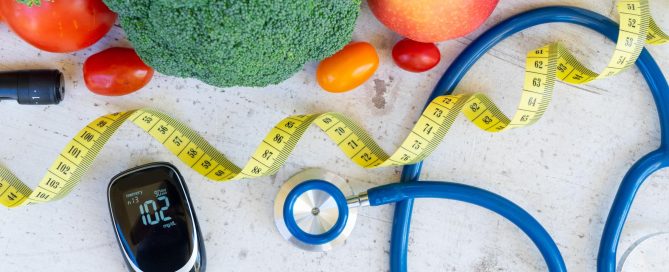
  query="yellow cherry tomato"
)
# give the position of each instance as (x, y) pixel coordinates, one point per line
(349, 68)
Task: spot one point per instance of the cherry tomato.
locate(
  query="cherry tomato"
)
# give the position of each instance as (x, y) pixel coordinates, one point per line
(59, 26)
(116, 71)
(348, 68)
(416, 56)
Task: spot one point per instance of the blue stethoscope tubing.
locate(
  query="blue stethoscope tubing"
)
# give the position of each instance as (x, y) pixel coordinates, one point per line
(395, 192)
(630, 184)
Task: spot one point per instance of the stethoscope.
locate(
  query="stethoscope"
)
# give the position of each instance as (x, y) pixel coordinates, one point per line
(316, 210)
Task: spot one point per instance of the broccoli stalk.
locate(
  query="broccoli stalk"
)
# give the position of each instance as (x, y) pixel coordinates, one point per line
(236, 42)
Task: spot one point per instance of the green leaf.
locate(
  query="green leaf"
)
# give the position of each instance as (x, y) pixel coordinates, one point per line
(30, 3)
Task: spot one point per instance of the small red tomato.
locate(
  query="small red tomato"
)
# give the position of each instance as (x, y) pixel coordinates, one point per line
(116, 71)
(416, 56)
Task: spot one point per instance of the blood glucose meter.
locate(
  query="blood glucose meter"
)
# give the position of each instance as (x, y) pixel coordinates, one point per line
(155, 221)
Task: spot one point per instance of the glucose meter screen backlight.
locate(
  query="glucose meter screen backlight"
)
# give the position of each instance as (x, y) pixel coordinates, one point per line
(151, 205)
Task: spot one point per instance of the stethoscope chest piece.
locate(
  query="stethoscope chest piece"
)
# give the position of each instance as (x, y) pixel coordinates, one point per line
(311, 211)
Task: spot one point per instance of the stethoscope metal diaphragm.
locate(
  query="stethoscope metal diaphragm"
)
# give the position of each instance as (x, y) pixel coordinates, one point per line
(311, 212)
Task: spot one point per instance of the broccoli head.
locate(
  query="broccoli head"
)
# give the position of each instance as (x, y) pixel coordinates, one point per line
(235, 42)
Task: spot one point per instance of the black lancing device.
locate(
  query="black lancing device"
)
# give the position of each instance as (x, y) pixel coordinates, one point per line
(32, 87)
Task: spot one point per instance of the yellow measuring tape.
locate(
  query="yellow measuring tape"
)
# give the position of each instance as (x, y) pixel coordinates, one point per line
(543, 66)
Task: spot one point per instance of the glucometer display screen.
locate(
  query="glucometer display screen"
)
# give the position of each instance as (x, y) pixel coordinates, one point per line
(151, 204)
(153, 219)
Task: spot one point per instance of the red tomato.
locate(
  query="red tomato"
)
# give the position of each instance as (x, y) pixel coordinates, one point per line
(59, 26)
(348, 68)
(116, 71)
(416, 56)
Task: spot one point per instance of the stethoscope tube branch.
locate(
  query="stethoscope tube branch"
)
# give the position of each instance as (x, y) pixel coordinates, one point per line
(622, 203)
(395, 192)
(631, 182)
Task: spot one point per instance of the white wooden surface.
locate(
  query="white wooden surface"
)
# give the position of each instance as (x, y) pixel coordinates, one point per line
(577, 156)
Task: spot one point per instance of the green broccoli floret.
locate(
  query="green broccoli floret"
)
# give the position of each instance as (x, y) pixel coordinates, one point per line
(236, 42)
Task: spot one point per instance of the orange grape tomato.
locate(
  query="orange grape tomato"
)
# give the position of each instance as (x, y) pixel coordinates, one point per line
(349, 68)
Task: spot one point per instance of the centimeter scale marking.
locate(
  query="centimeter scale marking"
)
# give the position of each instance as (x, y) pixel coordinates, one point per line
(543, 66)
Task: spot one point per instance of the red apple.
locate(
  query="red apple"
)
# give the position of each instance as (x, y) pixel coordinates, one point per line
(432, 20)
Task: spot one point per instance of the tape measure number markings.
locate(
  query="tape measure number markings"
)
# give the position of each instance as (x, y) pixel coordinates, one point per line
(543, 67)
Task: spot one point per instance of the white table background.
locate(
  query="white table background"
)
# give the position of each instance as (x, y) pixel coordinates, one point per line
(577, 155)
